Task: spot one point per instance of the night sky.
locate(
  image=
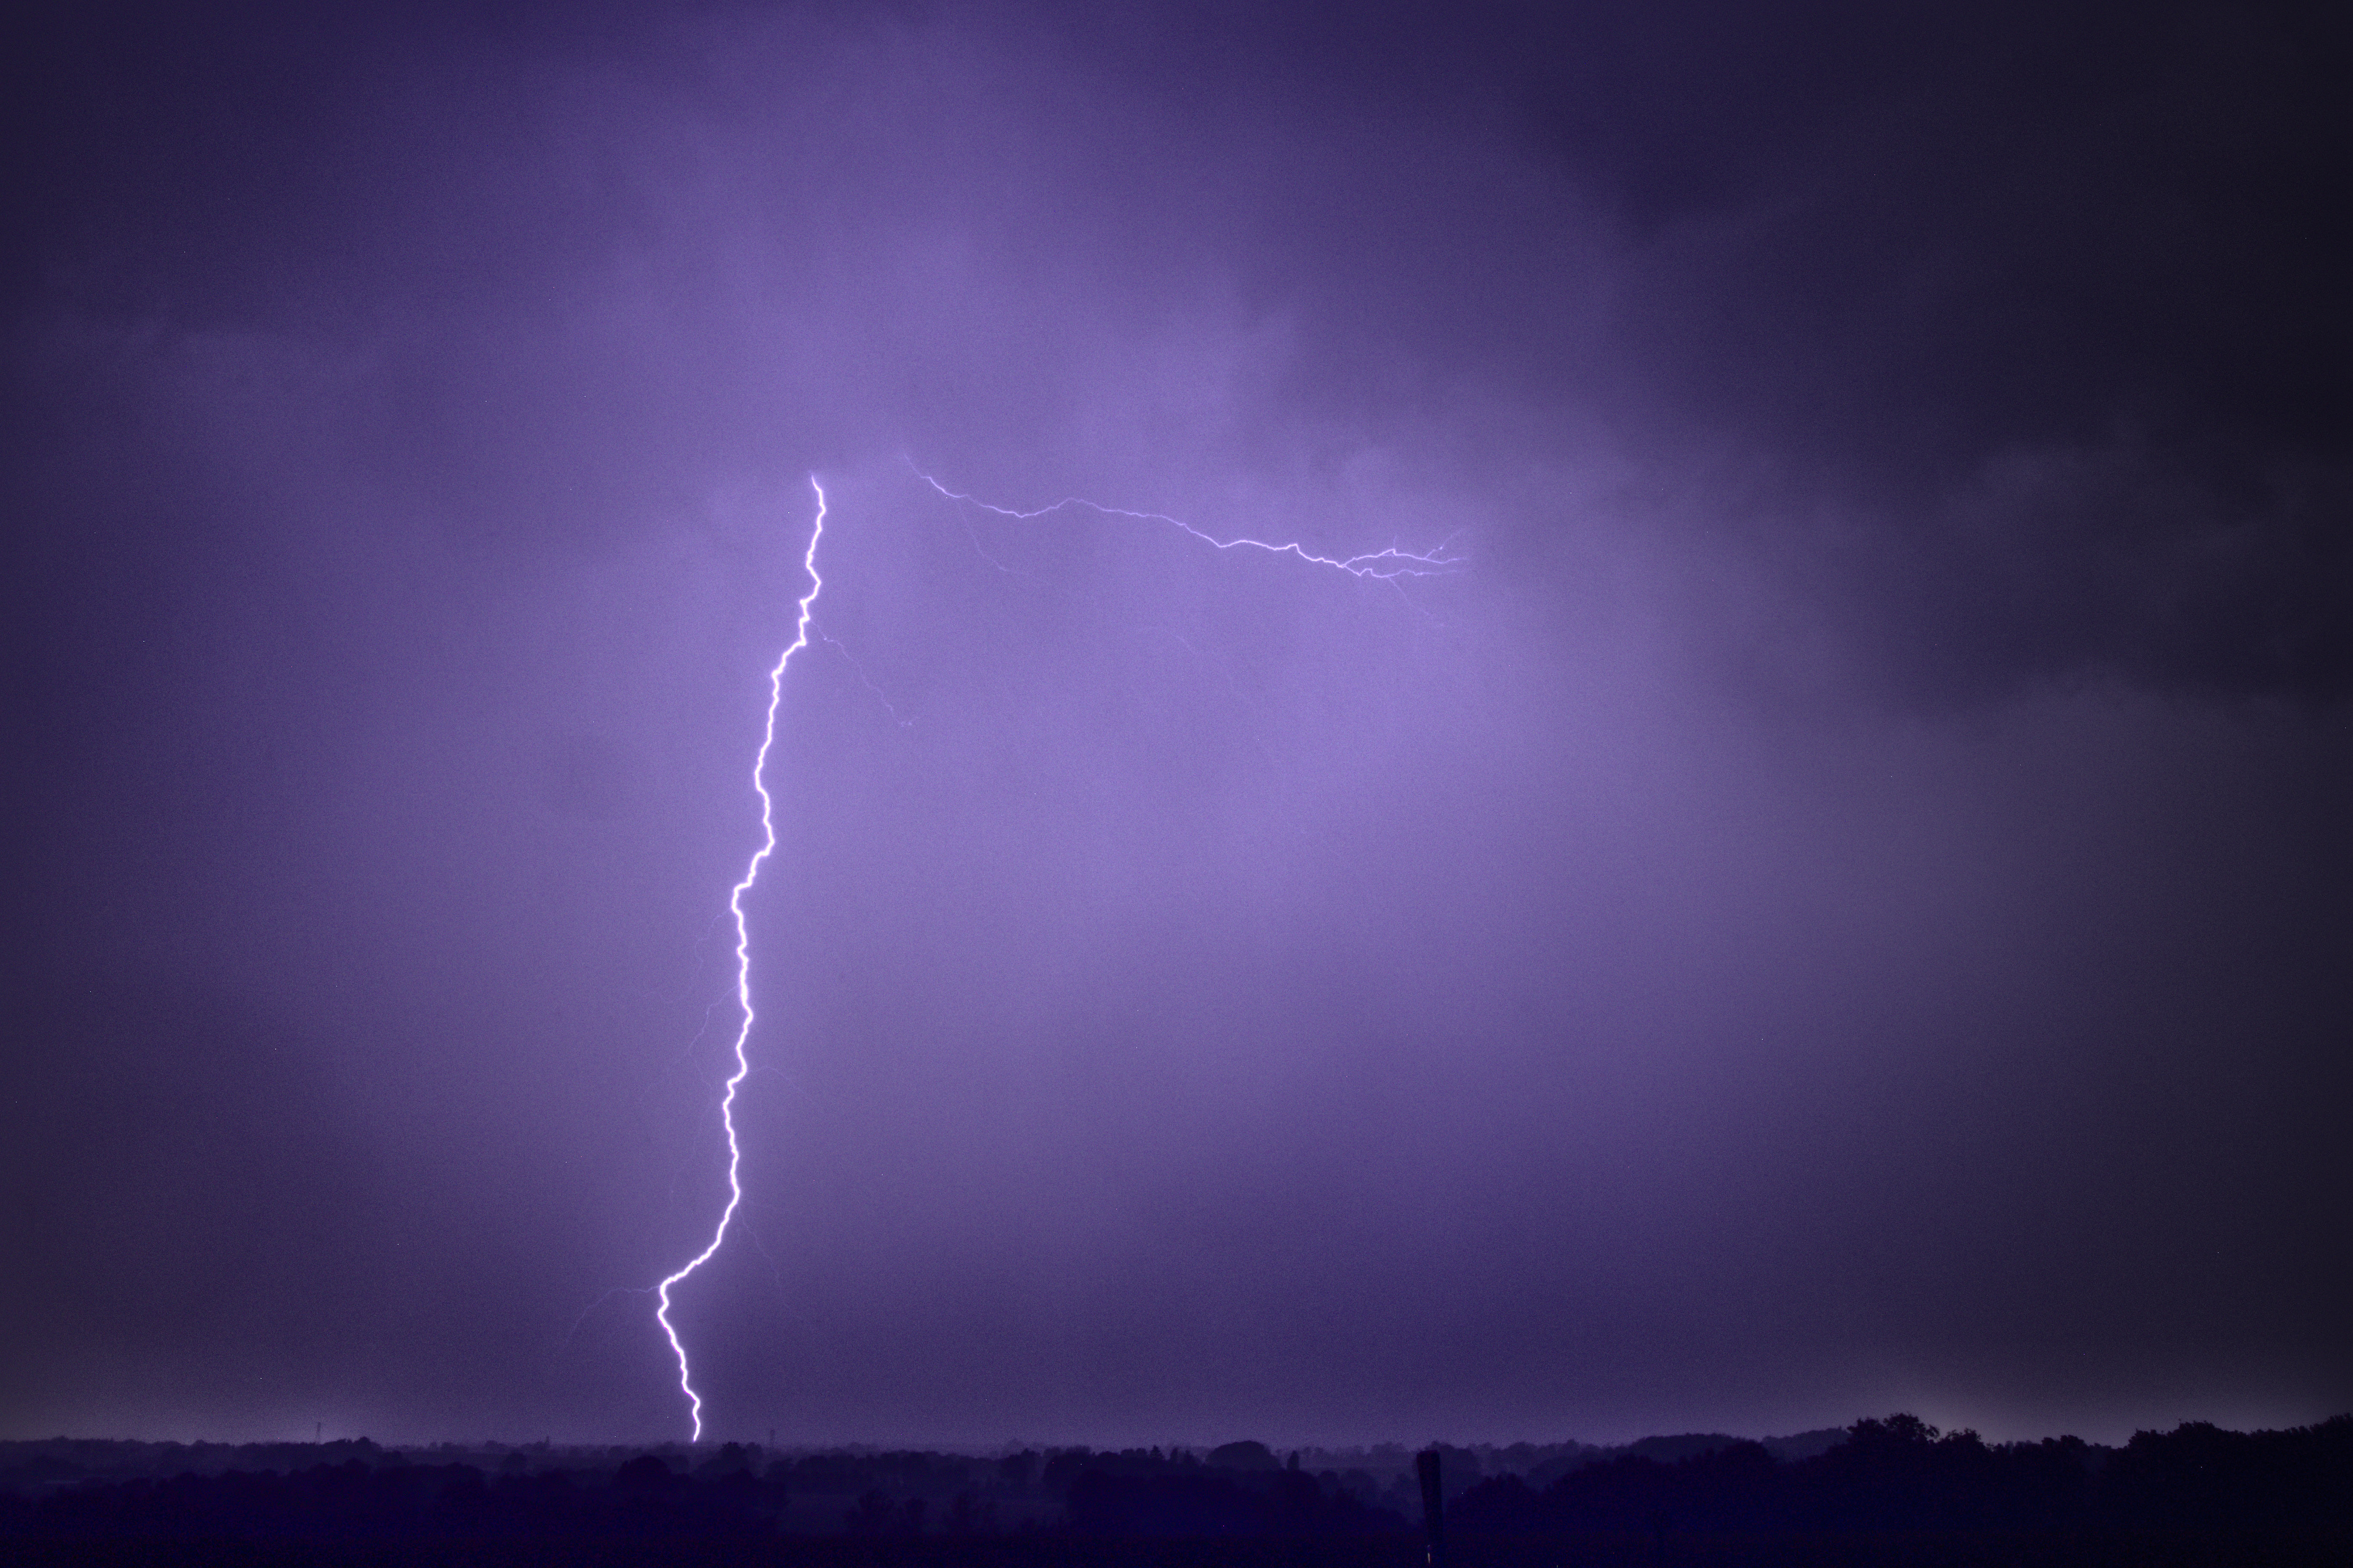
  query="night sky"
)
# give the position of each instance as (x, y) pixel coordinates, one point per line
(1843, 901)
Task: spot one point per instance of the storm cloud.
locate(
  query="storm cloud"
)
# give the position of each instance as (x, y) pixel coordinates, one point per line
(1838, 902)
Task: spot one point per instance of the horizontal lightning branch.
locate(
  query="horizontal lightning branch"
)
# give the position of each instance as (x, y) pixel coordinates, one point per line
(1386, 565)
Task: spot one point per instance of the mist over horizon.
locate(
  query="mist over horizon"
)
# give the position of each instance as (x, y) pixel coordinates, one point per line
(1839, 903)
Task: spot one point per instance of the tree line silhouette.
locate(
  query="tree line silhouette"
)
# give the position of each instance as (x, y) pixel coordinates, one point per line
(1902, 1474)
(1892, 1475)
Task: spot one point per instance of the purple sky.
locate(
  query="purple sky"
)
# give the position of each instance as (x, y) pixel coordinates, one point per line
(1841, 905)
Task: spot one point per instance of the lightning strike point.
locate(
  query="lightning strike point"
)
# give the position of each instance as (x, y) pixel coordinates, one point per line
(744, 965)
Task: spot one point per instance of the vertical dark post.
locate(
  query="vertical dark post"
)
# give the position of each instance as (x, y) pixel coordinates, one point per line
(1433, 1505)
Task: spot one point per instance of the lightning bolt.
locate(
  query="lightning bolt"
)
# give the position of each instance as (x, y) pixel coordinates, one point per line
(1385, 565)
(743, 965)
(1390, 565)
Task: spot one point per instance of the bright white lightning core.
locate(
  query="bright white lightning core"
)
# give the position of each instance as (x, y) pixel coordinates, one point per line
(744, 961)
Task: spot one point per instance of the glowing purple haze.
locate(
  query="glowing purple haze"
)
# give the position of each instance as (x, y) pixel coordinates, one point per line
(1385, 565)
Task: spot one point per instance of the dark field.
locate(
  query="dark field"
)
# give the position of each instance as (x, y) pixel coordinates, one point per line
(1892, 1492)
(1895, 1551)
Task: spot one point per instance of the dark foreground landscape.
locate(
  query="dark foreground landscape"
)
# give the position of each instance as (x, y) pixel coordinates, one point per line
(1881, 1491)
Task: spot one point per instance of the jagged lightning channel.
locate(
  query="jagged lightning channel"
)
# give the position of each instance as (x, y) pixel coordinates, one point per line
(744, 962)
(1385, 565)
